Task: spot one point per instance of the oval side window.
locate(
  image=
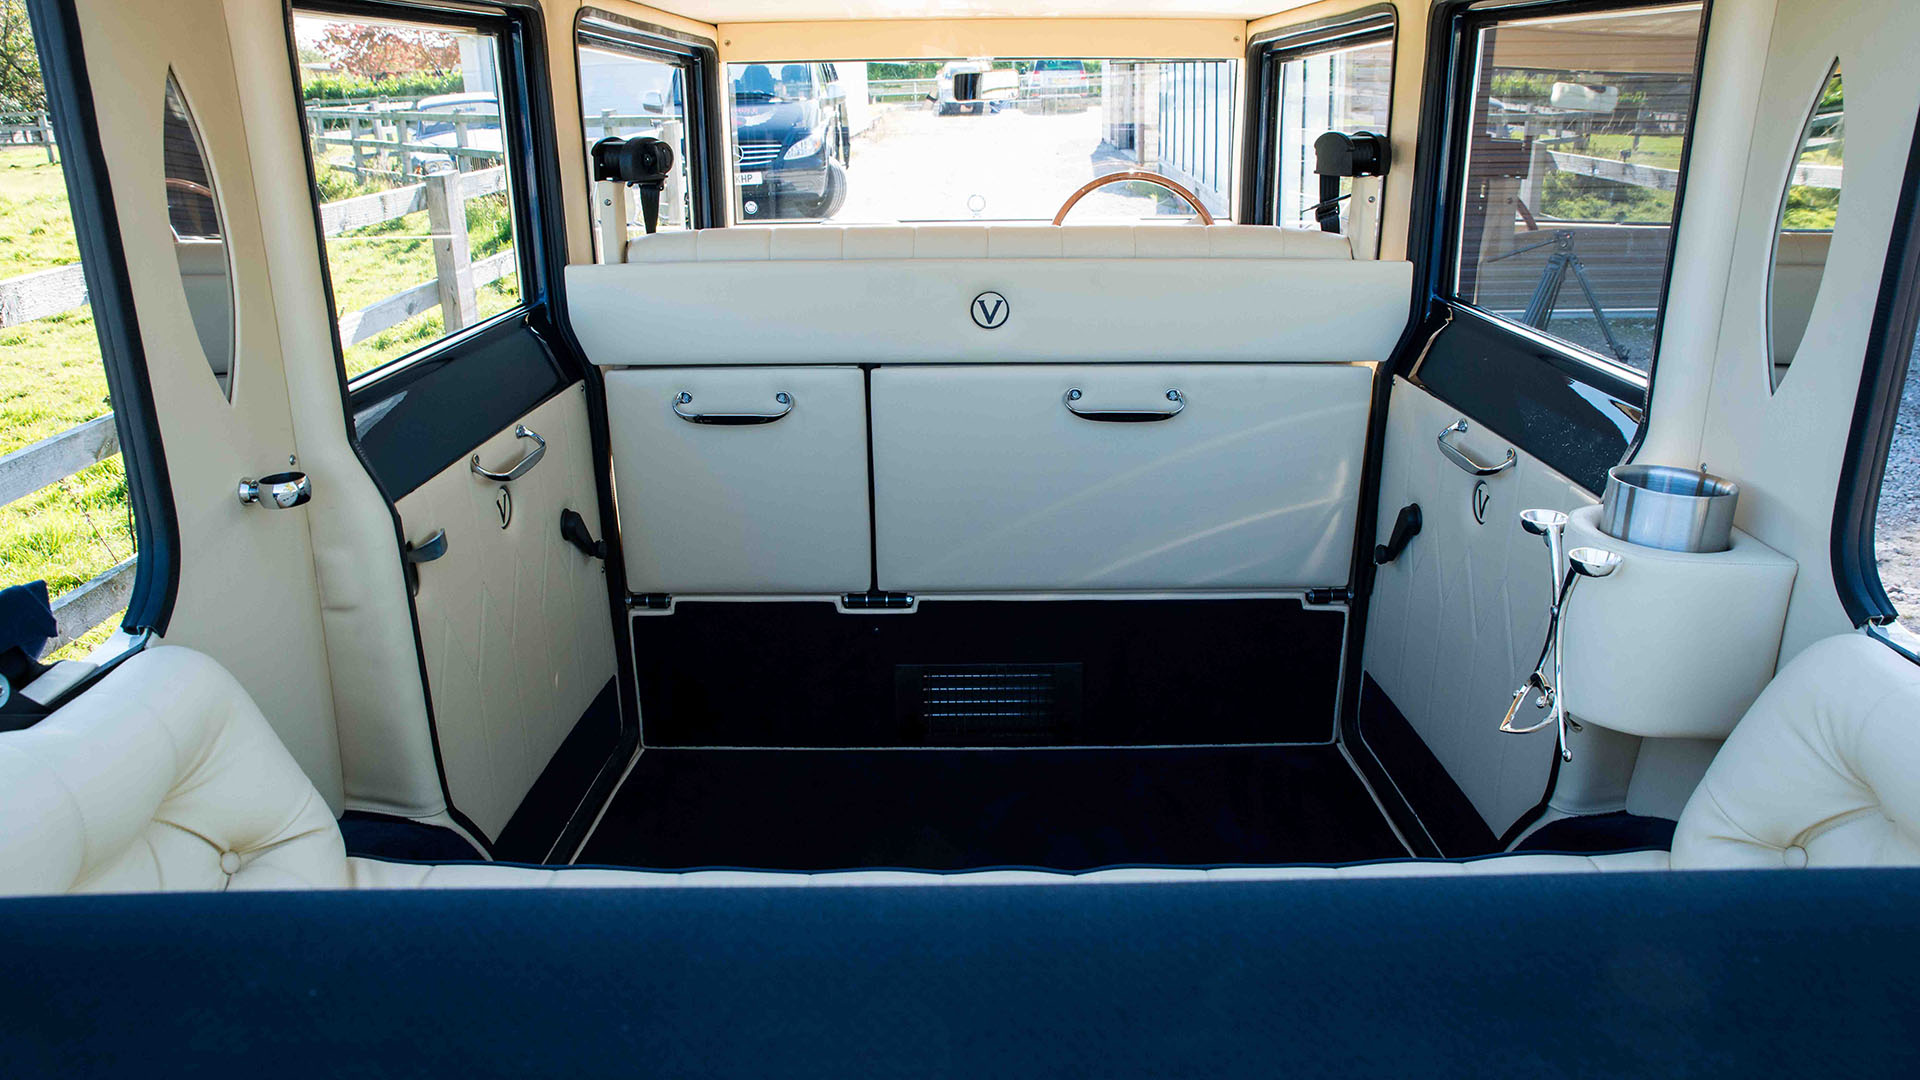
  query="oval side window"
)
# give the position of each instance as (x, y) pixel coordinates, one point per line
(199, 236)
(1808, 210)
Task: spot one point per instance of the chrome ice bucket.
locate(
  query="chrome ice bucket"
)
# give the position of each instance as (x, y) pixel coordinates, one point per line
(1667, 507)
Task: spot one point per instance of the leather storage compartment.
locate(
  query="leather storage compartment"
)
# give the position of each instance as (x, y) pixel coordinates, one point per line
(989, 479)
(733, 502)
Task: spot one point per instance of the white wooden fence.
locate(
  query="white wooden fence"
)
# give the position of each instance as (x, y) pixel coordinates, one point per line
(46, 463)
(457, 279)
(28, 129)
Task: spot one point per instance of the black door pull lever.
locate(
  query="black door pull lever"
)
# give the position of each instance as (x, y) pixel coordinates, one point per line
(573, 529)
(1405, 528)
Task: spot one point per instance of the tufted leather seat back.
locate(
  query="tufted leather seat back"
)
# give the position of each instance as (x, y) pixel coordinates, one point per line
(890, 294)
(1823, 770)
(170, 780)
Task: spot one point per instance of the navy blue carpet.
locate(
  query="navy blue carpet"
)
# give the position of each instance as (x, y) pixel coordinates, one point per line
(962, 809)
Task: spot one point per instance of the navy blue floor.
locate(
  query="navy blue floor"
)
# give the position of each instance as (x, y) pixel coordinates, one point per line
(962, 809)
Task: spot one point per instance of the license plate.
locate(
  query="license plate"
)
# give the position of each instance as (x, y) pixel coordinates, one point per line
(748, 179)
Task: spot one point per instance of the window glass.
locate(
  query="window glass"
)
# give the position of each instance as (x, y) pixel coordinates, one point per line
(65, 517)
(628, 95)
(406, 134)
(978, 138)
(1347, 89)
(193, 209)
(1808, 211)
(1577, 131)
(1896, 526)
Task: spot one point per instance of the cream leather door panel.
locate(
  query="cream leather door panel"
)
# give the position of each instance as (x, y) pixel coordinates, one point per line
(514, 622)
(741, 480)
(1456, 621)
(247, 594)
(1204, 476)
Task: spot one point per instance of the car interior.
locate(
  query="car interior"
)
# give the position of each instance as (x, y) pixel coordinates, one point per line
(1200, 470)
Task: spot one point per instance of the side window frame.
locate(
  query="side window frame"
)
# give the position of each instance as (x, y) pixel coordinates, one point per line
(538, 240)
(1890, 346)
(705, 134)
(1266, 54)
(410, 418)
(1463, 21)
(1570, 408)
(96, 222)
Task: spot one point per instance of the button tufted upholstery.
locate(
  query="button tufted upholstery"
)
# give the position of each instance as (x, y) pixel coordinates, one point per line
(165, 777)
(1824, 769)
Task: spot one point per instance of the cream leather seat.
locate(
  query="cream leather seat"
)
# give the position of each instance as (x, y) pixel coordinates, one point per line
(165, 777)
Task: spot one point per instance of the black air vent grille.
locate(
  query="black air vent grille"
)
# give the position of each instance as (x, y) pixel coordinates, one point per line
(988, 704)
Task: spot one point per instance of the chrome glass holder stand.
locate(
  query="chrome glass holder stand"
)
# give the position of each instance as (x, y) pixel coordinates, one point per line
(1567, 568)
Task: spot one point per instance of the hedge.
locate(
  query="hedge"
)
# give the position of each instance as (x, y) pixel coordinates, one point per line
(356, 88)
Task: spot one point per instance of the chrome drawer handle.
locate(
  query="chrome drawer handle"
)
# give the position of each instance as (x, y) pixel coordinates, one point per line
(731, 419)
(1125, 416)
(519, 468)
(1459, 457)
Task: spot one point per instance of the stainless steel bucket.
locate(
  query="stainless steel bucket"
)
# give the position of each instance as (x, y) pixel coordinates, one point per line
(1663, 506)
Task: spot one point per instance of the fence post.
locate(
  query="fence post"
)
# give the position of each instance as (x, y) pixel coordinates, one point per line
(606, 123)
(359, 150)
(673, 195)
(452, 266)
(460, 140)
(46, 135)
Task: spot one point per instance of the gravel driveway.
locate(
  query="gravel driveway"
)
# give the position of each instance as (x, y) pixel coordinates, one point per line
(1897, 525)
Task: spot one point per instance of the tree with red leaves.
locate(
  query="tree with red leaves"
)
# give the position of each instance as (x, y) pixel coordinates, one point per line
(374, 51)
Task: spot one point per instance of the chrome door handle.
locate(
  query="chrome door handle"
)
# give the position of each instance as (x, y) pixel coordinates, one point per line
(1459, 457)
(519, 468)
(281, 491)
(731, 419)
(1125, 416)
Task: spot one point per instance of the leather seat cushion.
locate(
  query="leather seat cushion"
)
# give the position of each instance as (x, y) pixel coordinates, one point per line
(164, 777)
(1824, 769)
(375, 874)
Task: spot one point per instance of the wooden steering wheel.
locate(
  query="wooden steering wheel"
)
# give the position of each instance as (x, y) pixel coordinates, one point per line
(1122, 177)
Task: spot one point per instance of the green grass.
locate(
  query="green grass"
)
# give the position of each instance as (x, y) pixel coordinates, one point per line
(1572, 197)
(50, 380)
(36, 229)
(51, 376)
(1657, 151)
(368, 265)
(1811, 208)
(391, 344)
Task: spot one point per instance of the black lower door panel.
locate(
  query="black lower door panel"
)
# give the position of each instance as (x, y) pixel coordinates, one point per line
(989, 673)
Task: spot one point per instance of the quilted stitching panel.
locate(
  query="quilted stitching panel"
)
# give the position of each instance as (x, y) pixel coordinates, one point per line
(1458, 619)
(514, 622)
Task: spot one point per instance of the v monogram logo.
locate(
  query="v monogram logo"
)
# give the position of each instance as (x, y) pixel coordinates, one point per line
(990, 310)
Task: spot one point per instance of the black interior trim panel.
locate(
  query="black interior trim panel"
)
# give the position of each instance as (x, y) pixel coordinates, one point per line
(1112, 673)
(1442, 810)
(1570, 415)
(433, 412)
(538, 830)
